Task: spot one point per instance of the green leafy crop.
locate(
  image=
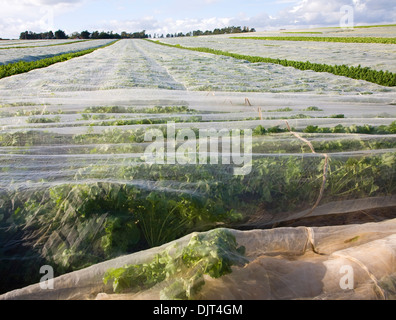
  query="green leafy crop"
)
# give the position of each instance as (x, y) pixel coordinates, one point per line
(153, 110)
(182, 270)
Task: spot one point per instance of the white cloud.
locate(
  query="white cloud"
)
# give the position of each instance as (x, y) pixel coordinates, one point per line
(313, 13)
(34, 15)
(325, 12)
(300, 13)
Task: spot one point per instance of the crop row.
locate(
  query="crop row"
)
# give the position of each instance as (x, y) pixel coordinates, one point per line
(355, 129)
(325, 39)
(154, 110)
(360, 73)
(32, 138)
(23, 66)
(45, 46)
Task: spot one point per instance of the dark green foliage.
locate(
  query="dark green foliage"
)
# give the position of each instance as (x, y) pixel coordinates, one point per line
(29, 35)
(196, 33)
(60, 34)
(85, 34)
(123, 35)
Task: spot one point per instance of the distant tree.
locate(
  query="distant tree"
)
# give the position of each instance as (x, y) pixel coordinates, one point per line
(226, 30)
(75, 35)
(103, 35)
(139, 35)
(60, 34)
(85, 34)
(23, 35)
(28, 35)
(95, 35)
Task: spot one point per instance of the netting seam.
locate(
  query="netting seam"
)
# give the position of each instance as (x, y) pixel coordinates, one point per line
(311, 241)
(325, 168)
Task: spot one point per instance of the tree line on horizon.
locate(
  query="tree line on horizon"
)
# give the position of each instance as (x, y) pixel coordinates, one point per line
(60, 34)
(196, 33)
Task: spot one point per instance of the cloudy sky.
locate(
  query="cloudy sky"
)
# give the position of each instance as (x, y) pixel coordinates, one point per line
(170, 16)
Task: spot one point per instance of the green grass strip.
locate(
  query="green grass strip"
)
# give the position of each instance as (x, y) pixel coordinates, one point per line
(12, 69)
(304, 32)
(373, 26)
(326, 39)
(383, 78)
(44, 46)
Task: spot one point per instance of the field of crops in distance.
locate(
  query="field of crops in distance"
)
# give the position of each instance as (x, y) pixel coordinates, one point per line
(9, 44)
(373, 55)
(32, 51)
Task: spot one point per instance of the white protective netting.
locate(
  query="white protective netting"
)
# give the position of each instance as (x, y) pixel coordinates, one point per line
(373, 55)
(77, 192)
(36, 51)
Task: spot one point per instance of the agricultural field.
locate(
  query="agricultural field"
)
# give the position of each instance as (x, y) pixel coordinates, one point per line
(15, 44)
(12, 51)
(378, 56)
(308, 188)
